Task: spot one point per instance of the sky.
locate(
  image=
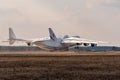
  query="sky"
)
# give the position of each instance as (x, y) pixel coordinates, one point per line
(91, 19)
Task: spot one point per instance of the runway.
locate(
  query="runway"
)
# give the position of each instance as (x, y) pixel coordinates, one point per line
(43, 53)
(80, 49)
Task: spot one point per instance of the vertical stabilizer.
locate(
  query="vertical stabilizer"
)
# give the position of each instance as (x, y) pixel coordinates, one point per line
(52, 35)
(12, 36)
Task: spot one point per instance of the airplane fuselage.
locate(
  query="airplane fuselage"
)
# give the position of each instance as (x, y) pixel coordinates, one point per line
(50, 44)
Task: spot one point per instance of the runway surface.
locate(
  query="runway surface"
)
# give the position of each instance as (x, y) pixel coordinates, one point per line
(40, 53)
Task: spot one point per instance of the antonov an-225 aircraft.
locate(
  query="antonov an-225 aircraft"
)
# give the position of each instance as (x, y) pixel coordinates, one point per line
(53, 42)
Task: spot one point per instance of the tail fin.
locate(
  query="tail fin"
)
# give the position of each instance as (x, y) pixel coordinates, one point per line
(52, 35)
(12, 36)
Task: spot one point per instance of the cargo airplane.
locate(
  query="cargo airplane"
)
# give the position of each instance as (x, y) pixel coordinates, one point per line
(53, 42)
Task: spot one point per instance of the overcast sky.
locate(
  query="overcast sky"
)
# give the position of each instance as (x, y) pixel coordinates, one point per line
(92, 19)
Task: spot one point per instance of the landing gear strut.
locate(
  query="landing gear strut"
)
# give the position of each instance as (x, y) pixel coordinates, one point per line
(93, 45)
(77, 46)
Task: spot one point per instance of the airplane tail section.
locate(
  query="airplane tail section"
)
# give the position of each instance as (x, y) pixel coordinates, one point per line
(52, 35)
(12, 36)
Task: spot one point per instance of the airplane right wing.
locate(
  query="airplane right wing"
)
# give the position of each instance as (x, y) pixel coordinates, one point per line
(81, 41)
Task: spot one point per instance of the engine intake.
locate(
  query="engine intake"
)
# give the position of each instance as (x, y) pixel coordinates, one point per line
(29, 44)
(86, 44)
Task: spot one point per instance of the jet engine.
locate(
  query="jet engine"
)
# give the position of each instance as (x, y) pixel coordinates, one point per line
(29, 43)
(86, 44)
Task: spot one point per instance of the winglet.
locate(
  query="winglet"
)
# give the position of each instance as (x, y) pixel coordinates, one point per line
(12, 36)
(52, 35)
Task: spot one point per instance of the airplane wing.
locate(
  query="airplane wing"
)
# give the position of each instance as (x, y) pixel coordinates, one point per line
(11, 41)
(70, 40)
(80, 41)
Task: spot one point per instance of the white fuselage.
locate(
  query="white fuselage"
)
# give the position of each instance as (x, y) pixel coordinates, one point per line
(50, 44)
(47, 43)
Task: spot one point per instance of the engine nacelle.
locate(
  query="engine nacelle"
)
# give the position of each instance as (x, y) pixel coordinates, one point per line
(29, 44)
(78, 44)
(86, 44)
